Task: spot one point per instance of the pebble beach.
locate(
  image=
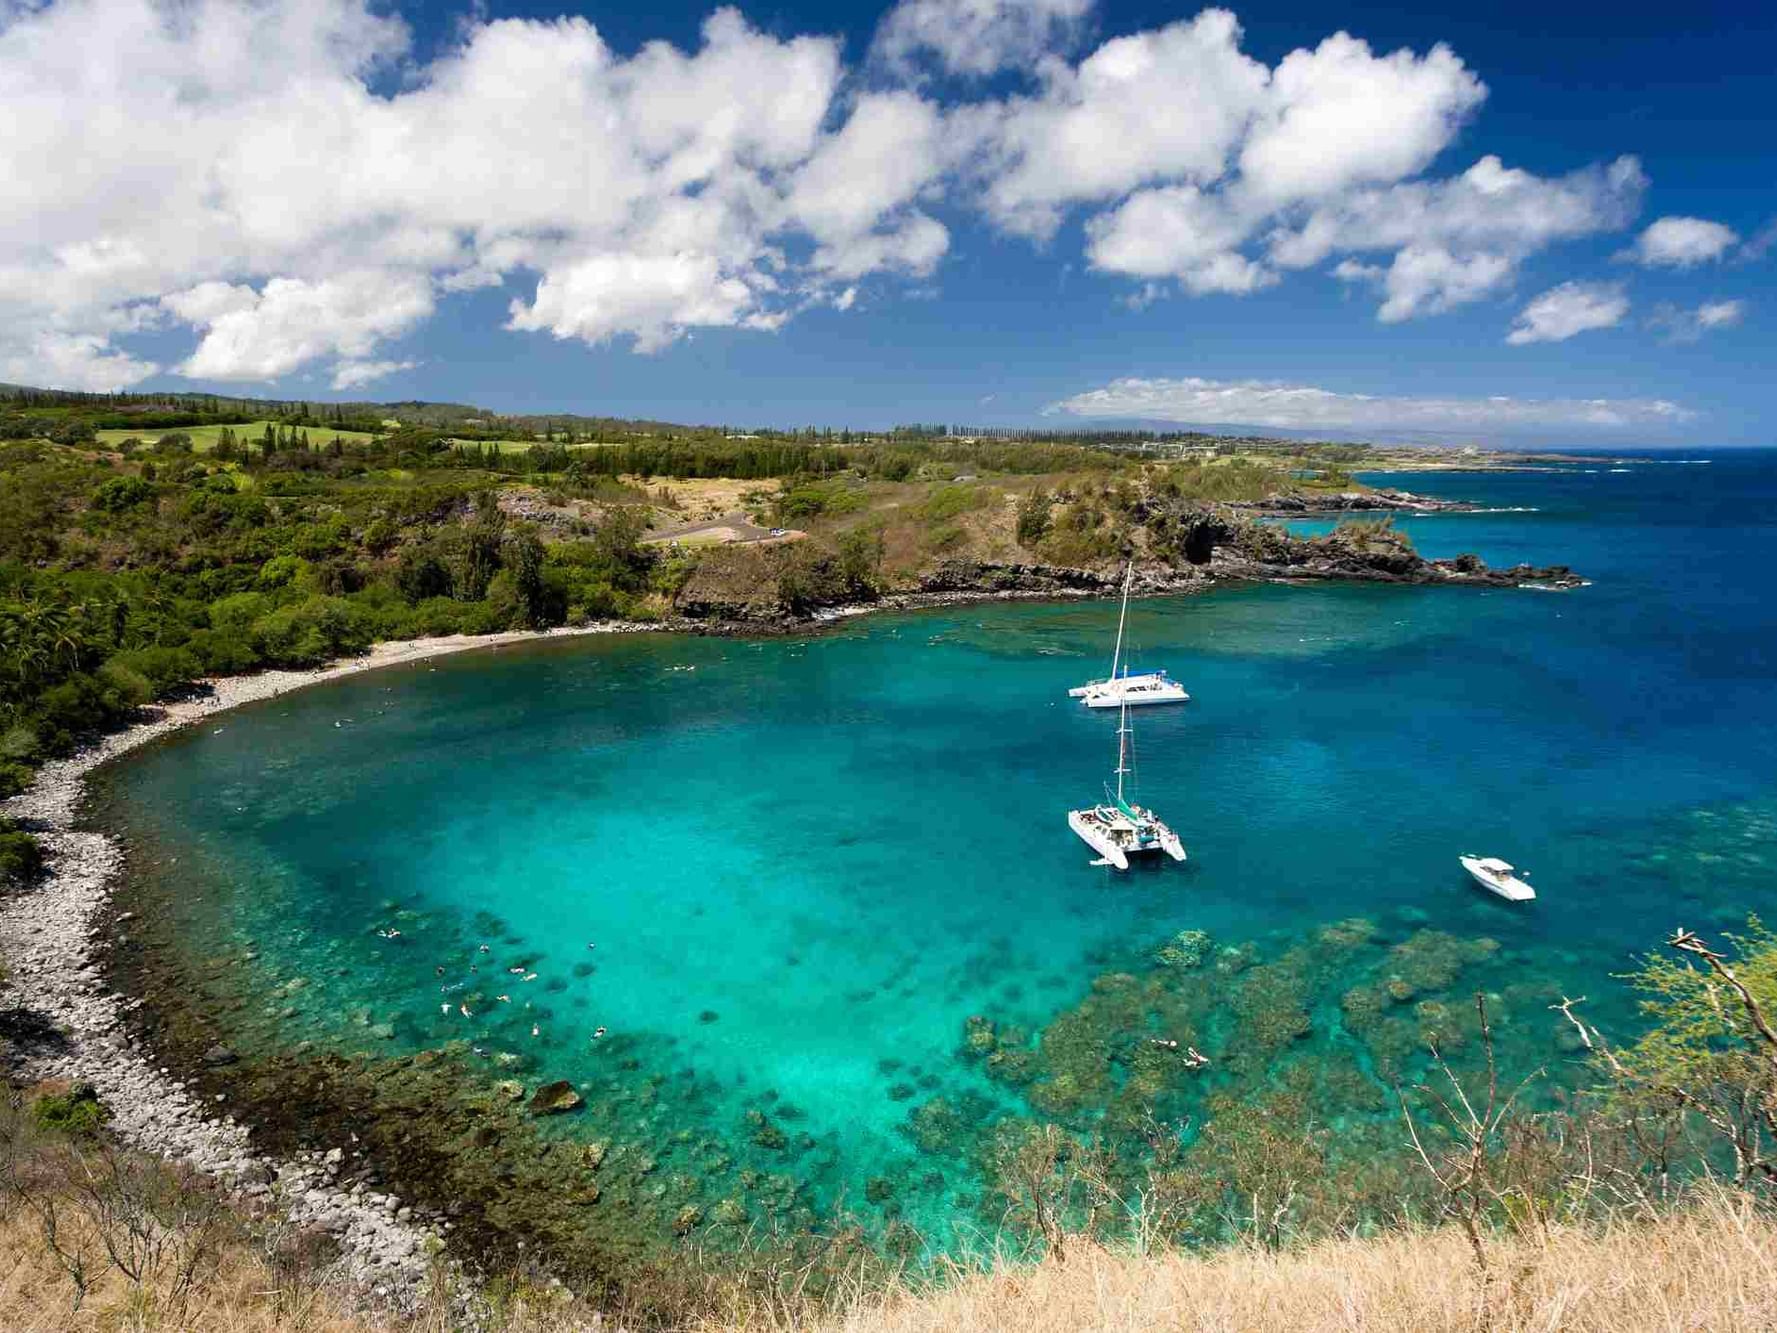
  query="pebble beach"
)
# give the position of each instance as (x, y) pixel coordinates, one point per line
(51, 937)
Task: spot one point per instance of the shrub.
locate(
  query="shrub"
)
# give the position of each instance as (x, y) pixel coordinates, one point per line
(21, 855)
(812, 499)
(164, 669)
(1033, 517)
(949, 501)
(314, 541)
(14, 778)
(860, 556)
(422, 576)
(121, 493)
(19, 744)
(310, 632)
(222, 652)
(280, 571)
(237, 613)
(130, 685)
(76, 1112)
(435, 616)
(75, 707)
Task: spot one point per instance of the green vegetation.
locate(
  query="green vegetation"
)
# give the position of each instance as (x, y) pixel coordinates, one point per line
(148, 540)
(77, 1112)
(21, 857)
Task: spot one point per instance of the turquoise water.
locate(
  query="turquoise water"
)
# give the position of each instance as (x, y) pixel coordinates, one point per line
(787, 871)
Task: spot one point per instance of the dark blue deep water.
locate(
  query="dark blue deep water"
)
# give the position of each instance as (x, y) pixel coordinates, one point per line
(804, 863)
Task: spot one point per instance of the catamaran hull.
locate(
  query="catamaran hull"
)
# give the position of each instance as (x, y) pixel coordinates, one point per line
(1095, 838)
(1109, 698)
(1094, 686)
(1113, 853)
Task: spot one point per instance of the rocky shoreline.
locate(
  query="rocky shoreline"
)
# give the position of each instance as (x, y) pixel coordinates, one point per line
(52, 937)
(1309, 504)
(54, 934)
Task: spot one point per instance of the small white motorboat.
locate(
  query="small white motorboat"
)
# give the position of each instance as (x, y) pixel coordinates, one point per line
(1497, 876)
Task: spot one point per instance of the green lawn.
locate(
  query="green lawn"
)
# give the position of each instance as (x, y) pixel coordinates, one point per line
(204, 438)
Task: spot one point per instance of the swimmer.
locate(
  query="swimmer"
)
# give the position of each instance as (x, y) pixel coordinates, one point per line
(597, 1033)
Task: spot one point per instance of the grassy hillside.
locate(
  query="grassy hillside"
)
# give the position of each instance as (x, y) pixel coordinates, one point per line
(147, 541)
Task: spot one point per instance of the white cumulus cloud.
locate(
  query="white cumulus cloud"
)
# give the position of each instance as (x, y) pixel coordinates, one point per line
(1681, 325)
(975, 37)
(1176, 232)
(1568, 310)
(230, 168)
(1339, 116)
(355, 374)
(289, 185)
(1275, 405)
(263, 335)
(1171, 104)
(1675, 242)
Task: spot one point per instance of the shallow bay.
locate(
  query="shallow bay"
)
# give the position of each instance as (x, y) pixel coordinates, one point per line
(802, 865)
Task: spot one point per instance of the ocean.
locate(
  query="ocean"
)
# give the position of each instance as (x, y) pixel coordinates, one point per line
(802, 918)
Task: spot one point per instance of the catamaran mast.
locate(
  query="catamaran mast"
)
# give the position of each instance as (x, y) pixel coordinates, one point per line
(1117, 652)
(1123, 696)
(1122, 748)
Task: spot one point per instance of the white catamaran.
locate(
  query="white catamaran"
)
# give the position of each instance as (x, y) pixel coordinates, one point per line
(1119, 829)
(1124, 686)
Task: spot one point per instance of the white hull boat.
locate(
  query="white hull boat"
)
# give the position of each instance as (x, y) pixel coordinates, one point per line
(1124, 686)
(1129, 678)
(1135, 691)
(1117, 828)
(1497, 876)
(1117, 832)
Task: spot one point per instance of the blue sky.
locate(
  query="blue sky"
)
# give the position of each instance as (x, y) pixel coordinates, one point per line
(428, 226)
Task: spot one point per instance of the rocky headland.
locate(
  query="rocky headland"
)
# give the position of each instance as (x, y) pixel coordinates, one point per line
(1182, 548)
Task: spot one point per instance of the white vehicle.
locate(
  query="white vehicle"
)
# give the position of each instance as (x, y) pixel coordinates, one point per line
(1497, 876)
(1154, 688)
(1118, 828)
(1126, 686)
(1128, 679)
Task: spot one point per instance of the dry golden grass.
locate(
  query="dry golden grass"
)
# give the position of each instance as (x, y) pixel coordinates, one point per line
(240, 1296)
(1712, 1267)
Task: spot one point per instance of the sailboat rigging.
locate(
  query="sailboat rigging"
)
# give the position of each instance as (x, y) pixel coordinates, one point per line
(1124, 686)
(1119, 828)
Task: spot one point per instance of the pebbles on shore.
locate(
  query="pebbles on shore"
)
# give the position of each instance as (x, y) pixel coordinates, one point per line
(50, 938)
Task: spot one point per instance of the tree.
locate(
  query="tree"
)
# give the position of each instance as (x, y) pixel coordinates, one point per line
(1033, 517)
(420, 575)
(481, 549)
(860, 556)
(524, 558)
(618, 553)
